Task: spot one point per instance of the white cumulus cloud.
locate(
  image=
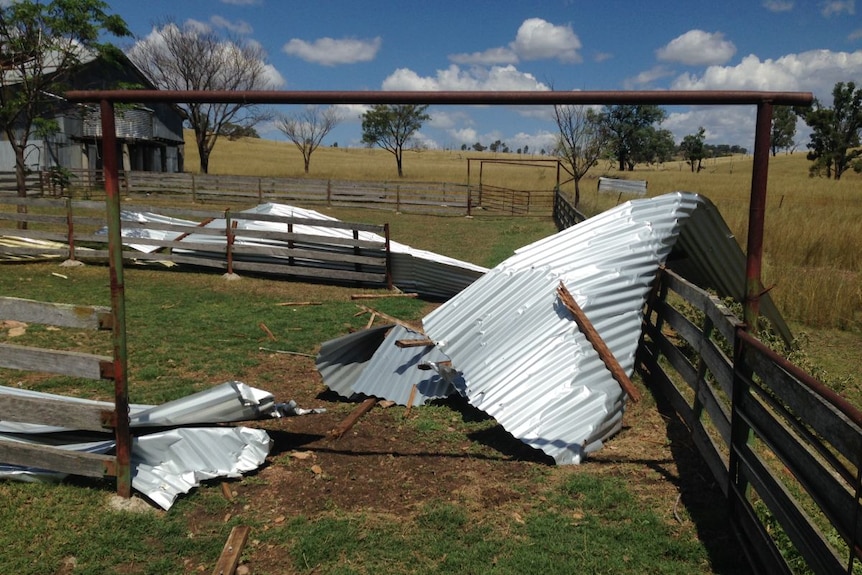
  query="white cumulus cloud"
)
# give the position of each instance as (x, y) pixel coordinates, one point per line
(697, 48)
(332, 51)
(536, 39)
(815, 71)
(496, 78)
(778, 5)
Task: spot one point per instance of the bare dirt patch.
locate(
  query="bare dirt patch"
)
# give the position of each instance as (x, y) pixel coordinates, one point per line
(389, 465)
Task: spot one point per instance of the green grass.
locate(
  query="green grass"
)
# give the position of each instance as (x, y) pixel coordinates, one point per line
(587, 525)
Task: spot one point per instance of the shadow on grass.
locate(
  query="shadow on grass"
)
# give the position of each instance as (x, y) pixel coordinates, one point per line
(701, 495)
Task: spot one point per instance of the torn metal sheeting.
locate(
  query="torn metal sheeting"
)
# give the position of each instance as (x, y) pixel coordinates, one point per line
(369, 363)
(429, 274)
(170, 462)
(521, 354)
(341, 361)
(167, 464)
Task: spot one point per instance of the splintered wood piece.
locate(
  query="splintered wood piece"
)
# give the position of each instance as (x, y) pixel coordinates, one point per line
(382, 295)
(230, 555)
(597, 342)
(351, 419)
(410, 400)
(390, 319)
(402, 343)
(298, 303)
(269, 334)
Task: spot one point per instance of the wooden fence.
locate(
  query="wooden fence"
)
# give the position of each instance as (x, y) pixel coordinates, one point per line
(344, 255)
(436, 198)
(785, 449)
(61, 412)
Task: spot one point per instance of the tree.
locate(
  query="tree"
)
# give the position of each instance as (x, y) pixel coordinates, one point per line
(391, 127)
(479, 147)
(835, 140)
(41, 44)
(235, 132)
(196, 58)
(693, 150)
(657, 147)
(783, 128)
(307, 129)
(582, 139)
(630, 128)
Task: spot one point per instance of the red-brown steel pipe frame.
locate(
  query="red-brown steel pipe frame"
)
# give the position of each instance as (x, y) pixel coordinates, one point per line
(118, 301)
(106, 98)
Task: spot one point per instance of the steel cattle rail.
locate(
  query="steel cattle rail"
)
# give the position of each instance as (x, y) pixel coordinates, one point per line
(765, 101)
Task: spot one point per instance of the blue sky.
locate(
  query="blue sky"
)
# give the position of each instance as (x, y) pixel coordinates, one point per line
(535, 45)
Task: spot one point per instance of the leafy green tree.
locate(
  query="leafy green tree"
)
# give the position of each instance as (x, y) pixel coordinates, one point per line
(41, 44)
(581, 142)
(835, 139)
(783, 129)
(693, 149)
(391, 127)
(479, 147)
(630, 130)
(658, 147)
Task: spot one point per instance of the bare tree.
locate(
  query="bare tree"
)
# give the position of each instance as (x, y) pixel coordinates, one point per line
(582, 140)
(307, 129)
(193, 57)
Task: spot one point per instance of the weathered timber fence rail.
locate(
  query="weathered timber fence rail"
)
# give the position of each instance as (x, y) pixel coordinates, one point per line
(61, 412)
(283, 246)
(444, 198)
(785, 450)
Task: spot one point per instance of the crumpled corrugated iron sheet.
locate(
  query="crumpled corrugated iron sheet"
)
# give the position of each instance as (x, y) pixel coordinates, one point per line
(369, 363)
(413, 270)
(168, 463)
(517, 350)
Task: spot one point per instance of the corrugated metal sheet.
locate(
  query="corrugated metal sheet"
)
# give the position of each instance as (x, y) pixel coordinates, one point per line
(369, 363)
(522, 356)
(413, 270)
(167, 463)
(708, 254)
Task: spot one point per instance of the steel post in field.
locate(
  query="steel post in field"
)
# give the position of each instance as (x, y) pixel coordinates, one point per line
(756, 216)
(118, 303)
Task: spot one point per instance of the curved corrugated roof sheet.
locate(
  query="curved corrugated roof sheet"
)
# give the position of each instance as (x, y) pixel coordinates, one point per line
(521, 354)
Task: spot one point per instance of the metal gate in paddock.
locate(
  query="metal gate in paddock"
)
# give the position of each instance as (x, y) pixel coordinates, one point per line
(764, 102)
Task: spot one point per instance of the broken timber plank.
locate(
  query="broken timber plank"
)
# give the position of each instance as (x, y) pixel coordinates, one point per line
(229, 558)
(351, 419)
(597, 342)
(380, 296)
(402, 343)
(390, 319)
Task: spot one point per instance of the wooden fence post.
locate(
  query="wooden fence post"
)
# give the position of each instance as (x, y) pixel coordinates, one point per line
(70, 229)
(229, 240)
(329, 193)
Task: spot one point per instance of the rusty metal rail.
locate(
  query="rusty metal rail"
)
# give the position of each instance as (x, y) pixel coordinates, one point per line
(107, 98)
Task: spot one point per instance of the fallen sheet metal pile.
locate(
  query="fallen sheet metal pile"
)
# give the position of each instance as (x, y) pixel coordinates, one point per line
(510, 346)
(167, 463)
(413, 270)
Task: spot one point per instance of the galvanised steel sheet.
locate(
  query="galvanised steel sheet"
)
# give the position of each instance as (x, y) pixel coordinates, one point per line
(522, 357)
(413, 270)
(170, 462)
(368, 362)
